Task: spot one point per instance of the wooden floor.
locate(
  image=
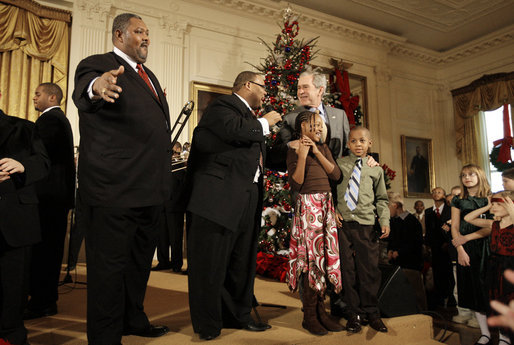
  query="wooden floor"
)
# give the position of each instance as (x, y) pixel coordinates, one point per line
(167, 304)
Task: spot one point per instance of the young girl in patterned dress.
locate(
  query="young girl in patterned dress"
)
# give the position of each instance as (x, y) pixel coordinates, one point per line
(472, 257)
(313, 249)
(501, 232)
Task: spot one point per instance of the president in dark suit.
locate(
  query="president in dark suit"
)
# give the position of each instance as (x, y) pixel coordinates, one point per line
(225, 167)
(56, 195)
(23, 162)
(125, 159)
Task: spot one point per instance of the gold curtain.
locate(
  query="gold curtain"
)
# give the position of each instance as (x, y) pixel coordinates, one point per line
(33, 50)
(484, 94)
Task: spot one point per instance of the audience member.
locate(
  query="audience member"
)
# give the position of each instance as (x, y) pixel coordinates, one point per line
(56, 196)
(19, 219)
(313, 249)
(124, 168)
(508, 179)
(225, 171)
(472, 256)
(438, 238)
(419, 213)
(361, 192)
(405, 245)
(501, 246)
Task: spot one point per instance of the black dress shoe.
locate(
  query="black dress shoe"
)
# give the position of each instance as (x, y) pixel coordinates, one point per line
(150, 332)
(161, 267)
(35, 314)
(364, 320)
(353, 325)
(377, 325)
(209, 336)
(252, 326)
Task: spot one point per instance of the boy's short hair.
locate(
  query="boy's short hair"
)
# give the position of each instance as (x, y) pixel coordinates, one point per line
(509, 173)
(356, 128)
(395, 197)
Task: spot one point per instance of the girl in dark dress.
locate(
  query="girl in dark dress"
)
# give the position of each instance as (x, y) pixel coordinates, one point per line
(472, 256)
(501, 232)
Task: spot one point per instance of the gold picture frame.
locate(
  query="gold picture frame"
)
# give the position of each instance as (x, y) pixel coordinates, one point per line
(417, 166)
(203, 94)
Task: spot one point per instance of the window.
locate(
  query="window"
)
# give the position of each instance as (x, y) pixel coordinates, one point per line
(494, 131)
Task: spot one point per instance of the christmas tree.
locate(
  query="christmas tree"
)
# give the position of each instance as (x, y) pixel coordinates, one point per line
(287, 58)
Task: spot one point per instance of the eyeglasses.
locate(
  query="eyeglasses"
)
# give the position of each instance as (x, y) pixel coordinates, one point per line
(263, 86)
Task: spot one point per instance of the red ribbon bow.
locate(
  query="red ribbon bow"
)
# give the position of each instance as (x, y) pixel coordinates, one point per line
(506, 143)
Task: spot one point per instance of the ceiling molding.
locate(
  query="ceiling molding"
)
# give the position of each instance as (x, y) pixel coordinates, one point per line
(339, 27)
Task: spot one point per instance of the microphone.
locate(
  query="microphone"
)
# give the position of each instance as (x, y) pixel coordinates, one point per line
(268, 108)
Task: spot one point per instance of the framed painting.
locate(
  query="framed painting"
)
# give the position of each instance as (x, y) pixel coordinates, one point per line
(203, 94)
(417, 166)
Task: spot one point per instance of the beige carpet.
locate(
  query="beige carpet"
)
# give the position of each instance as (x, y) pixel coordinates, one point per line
(167, 304)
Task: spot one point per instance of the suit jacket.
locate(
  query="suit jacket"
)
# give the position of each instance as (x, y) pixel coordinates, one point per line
(125, 146)
(59, 187)
(338, 130)
(435, 236)
(225, 154)
(19, 217)
(406, 238)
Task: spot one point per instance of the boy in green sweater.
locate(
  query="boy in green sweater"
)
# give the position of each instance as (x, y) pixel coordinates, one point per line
(361, 192)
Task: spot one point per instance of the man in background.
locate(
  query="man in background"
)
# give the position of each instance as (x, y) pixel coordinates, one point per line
(311, 87)
(419, 209)
(56, 196)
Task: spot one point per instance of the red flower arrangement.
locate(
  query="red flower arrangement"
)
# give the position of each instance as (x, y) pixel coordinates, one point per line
(273, 266)
(389, 175)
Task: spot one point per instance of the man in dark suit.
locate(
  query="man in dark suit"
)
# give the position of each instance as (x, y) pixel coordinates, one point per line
(56, 196)
(124, 162)
(23, 161)
(311, 88)
(225, 170)
(438, 238)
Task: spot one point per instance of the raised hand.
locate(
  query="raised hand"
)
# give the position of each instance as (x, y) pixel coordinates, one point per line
(105, 87)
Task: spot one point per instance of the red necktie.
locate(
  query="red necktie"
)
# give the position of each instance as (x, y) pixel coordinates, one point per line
(143, 75)
(437, 213)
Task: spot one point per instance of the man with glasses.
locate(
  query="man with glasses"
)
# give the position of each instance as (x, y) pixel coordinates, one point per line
(225, 174)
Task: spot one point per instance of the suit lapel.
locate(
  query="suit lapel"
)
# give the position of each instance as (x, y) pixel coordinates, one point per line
(131, 73)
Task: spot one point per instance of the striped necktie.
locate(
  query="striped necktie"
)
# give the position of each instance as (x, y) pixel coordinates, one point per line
(352, 192)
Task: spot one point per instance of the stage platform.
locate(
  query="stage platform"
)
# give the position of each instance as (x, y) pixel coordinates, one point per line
(167, 304)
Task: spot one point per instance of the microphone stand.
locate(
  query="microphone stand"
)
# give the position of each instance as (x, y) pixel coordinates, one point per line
(73, 231)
